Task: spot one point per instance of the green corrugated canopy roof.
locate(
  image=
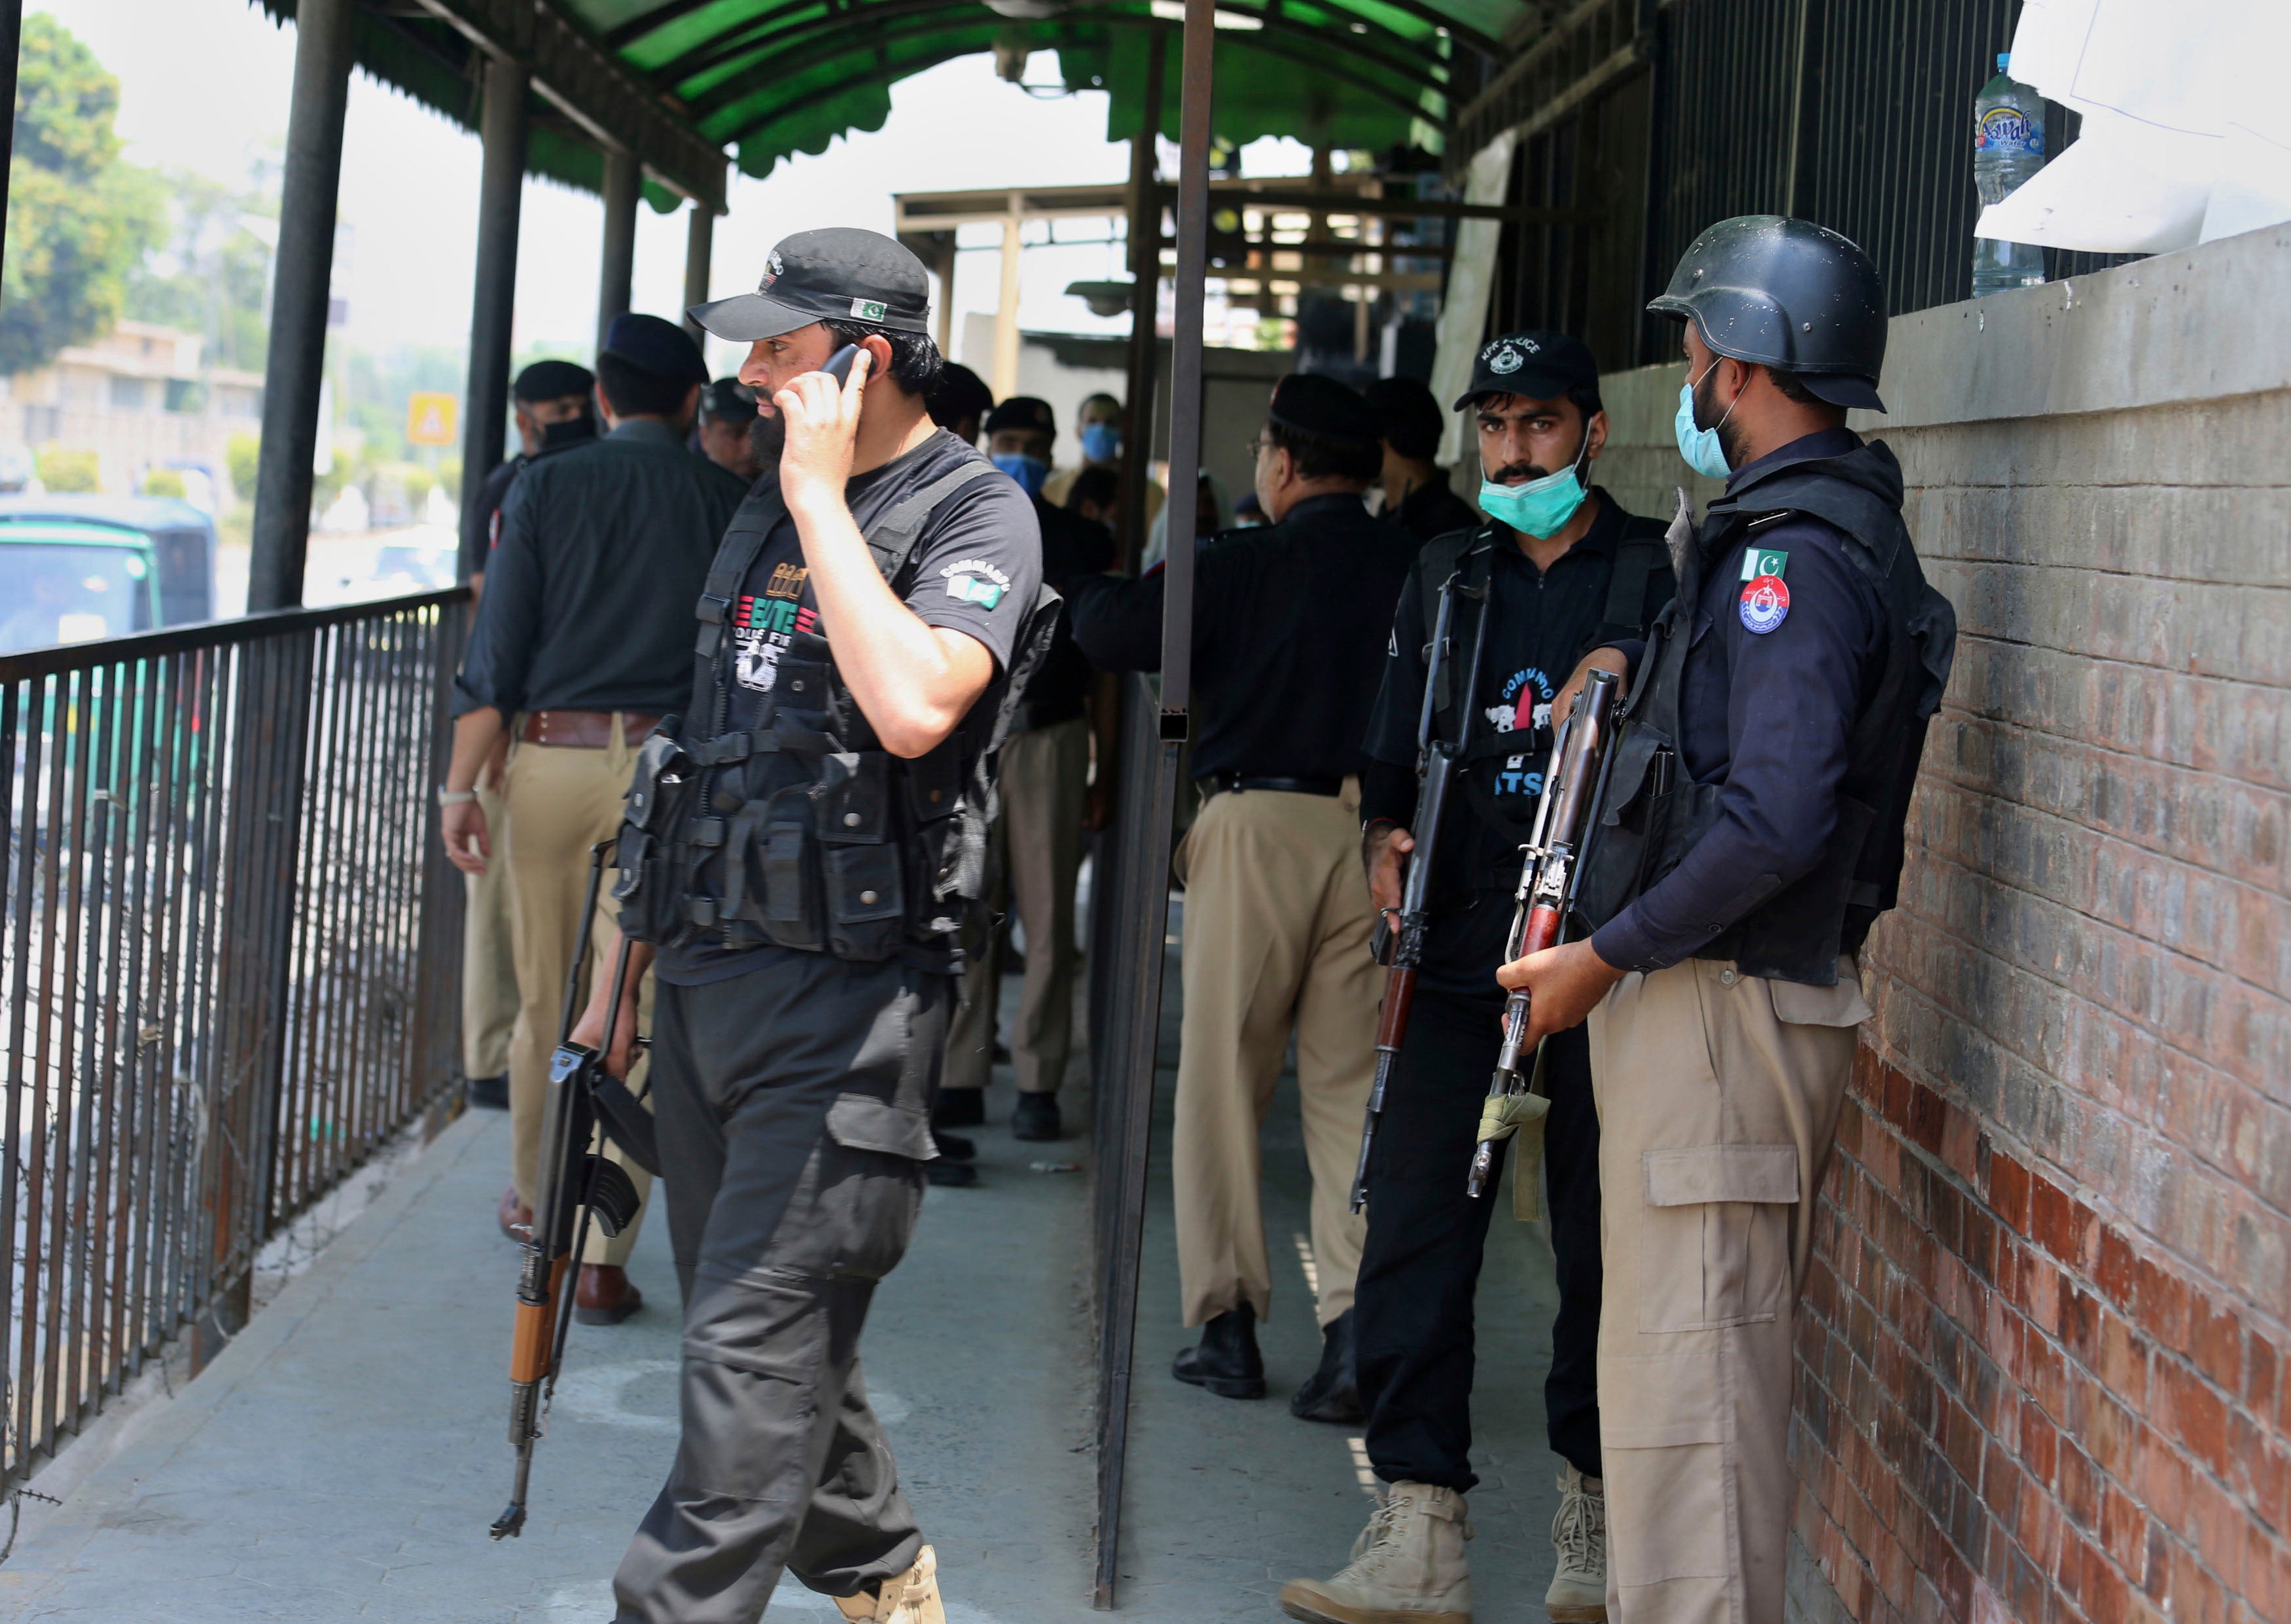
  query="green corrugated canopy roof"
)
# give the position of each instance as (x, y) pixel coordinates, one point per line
(770, 78)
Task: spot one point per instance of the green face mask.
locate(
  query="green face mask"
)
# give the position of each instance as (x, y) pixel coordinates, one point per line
(1541, 507)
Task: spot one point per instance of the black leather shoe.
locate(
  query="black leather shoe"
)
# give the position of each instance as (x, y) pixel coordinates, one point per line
(489, 1093)
(950, 1175)
(1226, 1361)
(1332, 1392)
(1036, 1117)
(960, 1108)
(954, 1147)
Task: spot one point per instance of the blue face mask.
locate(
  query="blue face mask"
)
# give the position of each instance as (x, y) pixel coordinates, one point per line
(1700, 446)
(1541, 507)
(1101, 442)
(1030, 472)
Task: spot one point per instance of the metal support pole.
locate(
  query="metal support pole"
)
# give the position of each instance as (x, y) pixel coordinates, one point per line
(623, 178)
(944, 315)
(699, 241)
(1146, 899)
(300, 283)
(1005, 381)
(1144, 308)
(500, 189)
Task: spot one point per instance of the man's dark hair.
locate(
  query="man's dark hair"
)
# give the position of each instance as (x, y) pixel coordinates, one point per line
(1096, 483)
(958, 393)
(1409, 416)
(635, 392)
(1793, 387)
(915, 360)
(1317, 456)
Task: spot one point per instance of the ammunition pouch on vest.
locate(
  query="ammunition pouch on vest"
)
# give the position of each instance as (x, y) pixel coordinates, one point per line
(1655, 813)
(801, 830)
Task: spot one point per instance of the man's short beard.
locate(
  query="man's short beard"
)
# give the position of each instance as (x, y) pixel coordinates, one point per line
(1730, 432)
(765, 436)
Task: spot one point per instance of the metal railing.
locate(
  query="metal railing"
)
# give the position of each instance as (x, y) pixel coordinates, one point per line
(230, 950)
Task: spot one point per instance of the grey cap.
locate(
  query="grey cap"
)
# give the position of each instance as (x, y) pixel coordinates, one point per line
(838, 274)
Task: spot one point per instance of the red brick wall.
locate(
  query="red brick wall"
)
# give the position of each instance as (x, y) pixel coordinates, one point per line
(2043, 1350)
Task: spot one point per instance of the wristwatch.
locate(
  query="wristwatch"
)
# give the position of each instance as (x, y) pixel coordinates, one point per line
(454, 797)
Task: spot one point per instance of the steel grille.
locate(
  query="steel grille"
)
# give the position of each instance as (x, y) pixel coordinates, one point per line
(230, 952)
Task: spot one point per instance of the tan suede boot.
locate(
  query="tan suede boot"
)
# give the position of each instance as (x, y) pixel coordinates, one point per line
(1408, 1566)
(911, 1598)
(1579, 1536)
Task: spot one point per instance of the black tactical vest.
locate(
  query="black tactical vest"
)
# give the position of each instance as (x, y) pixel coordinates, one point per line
(801, 830)
(1653, 817)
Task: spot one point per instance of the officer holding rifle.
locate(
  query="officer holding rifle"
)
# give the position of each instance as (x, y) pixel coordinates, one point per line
(1753, 832)
(1557, 567)
(801, 849)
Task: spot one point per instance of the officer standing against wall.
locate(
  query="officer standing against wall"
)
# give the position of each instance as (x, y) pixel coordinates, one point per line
(583, 641)
(804, 847)
(553, 411)
(1034, 857)
(1756, 816)
(1290, 626)
(1417, 496)
(1557, 569)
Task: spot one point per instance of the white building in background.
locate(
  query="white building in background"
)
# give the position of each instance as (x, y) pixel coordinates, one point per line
(139, 398)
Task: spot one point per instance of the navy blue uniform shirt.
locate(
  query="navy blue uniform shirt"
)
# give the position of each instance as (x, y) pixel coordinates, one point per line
(1289, 627)
(1766, 714)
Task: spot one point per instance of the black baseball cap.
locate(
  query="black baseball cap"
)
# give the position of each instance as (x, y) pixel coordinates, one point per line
(838, 274)
(1540, 366)
(657, 346)
(552, 379)
(1023, 412)
(727, 400)
(1313, 404)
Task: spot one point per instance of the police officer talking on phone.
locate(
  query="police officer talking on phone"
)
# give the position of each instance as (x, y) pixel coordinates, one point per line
(1753, 832)
(801, 848)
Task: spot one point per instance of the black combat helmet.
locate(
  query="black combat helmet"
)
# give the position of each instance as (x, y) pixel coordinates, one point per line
(1788, 294)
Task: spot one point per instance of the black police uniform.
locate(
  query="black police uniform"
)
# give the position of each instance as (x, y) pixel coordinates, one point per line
(1433, 510)
(1426, 1236)
(804, 888)
(483, 529)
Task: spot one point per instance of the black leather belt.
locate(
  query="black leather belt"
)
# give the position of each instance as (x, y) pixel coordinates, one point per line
(1212, 783)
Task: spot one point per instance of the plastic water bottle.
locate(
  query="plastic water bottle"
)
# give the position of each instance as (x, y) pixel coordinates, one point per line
(2008, 146)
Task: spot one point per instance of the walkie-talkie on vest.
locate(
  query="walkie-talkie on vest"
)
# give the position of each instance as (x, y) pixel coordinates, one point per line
(1573, 790)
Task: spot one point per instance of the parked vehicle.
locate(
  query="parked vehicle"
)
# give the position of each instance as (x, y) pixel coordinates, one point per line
(69, 583)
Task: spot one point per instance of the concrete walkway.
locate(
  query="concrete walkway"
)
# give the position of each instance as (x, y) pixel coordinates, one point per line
(342, 1458)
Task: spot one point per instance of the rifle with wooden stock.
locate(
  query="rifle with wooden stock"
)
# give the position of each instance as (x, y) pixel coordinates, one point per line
(577, 1183)
(1399, 944)
(1574, 793)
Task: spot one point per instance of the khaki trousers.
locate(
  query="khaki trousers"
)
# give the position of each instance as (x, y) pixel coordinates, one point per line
(1277, 925)
(489, 963)
(1719, 1095)
(561, 802)
(1034, 857)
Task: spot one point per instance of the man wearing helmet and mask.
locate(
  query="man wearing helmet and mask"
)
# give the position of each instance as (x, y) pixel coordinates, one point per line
(1556, 568)
(1753, 832)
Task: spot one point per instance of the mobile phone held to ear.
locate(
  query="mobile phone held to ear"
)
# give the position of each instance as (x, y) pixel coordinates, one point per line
(838, 364)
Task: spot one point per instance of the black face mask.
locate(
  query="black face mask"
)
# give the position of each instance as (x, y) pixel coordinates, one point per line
(570, 431)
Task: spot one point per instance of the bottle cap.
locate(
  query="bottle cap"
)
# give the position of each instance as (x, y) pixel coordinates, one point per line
(2003, 60)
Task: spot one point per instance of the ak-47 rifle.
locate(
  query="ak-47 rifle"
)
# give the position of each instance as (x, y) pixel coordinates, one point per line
(576, 1184)
(1437, 762)
(1574, 790)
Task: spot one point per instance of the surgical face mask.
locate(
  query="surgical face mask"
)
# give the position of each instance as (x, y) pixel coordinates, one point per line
(1030, 472)
(1101, 442)
(1700, 446)
(1539, 508)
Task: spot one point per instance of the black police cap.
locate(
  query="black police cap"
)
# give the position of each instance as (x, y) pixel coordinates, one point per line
(1407, 414)
(1313, 404)
(839, 274)
(727, 400)
(1023, 412)
(552, 381)
(657, 346)
(959, 393)
(1789, 294)
(1540, 366)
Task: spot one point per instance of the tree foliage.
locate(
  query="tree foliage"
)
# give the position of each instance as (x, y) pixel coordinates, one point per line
(79, 219)
(210, 271)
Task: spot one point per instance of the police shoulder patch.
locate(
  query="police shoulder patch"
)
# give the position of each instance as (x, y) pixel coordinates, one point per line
(1766, 604)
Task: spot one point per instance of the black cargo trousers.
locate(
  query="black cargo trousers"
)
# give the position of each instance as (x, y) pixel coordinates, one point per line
(792, 1108)
(1420, 1265)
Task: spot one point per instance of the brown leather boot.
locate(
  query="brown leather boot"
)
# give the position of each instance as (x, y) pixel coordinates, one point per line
(605, 1295)
(516, 1217)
